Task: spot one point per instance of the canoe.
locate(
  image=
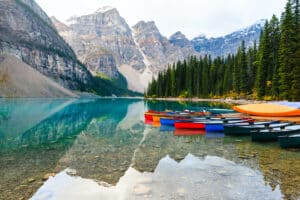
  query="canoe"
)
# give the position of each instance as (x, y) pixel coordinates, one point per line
(289, 141)
(171, 121)
(219, 110)
(245, 129)
(149, 115)
(167, 121)
(268, 110)
(217, 126)
(156, 124)
(156, 118)
(268, 135)
(189, 125)
(212, 125)
(188, 132)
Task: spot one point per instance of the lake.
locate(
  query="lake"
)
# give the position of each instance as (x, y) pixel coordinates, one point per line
(102, 149)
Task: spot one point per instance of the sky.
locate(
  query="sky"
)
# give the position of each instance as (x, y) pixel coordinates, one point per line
(212, 18)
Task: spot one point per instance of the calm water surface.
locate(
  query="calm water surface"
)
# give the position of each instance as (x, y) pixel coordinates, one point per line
(102, 149)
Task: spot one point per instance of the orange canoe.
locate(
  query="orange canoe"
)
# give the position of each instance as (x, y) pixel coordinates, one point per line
(268, 110)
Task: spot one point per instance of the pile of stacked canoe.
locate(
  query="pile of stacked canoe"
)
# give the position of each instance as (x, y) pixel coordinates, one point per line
(202, 122)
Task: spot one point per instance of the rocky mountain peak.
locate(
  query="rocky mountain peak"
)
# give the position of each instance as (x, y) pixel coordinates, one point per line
(100, 22)
(146, 27)
(178, 35)
(228, 44)
(179, 39)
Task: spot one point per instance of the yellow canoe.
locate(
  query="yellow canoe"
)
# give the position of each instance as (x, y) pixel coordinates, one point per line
(156, 118)
(268, 110)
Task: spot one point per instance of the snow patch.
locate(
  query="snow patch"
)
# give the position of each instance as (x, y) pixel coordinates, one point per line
(104, 9)
(136, 80)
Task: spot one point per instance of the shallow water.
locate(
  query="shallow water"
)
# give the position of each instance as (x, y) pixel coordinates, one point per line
(102, 149)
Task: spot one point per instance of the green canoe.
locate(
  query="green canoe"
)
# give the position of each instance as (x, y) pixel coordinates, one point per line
(267, 135)
(290, 141)
(244, 129)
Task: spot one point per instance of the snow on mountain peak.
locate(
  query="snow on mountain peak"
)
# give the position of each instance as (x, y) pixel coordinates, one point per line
(104, 9)
(260, 22)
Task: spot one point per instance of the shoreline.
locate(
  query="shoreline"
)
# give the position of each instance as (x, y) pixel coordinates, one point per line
(227, 100)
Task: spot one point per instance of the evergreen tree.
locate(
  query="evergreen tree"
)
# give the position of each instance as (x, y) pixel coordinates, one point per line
(273, 75)
(244, 80)
(236, 72)
(285, 52)
(296, 54)
(264, 62)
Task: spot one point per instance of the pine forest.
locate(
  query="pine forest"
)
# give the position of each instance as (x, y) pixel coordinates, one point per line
(269, 71)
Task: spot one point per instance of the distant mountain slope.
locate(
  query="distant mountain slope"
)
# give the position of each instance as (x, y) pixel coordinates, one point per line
(228, 44)
(18, 79)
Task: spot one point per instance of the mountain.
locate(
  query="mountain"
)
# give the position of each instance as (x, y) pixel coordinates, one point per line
(158, 50)
(27, 33)
(28, 38)
(222, 46)
(105, 43)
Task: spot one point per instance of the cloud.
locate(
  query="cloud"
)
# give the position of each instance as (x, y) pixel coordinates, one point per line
(192, 17)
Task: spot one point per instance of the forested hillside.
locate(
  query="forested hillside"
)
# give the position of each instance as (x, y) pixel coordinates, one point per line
(269, 71)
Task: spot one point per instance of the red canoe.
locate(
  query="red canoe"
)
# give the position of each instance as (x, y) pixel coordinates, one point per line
(189, 125)
(148, 117)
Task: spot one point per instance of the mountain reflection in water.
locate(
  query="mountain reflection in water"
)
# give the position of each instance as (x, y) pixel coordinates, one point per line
(191, 178)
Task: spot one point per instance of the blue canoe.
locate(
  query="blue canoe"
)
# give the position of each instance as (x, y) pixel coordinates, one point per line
(171, 121)
(217, 126)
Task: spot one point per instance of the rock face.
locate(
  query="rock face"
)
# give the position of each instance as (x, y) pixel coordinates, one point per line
(27, 33)
(157, 48)
(179, 39)
(105, 35)
(102, 62)
(228, 44)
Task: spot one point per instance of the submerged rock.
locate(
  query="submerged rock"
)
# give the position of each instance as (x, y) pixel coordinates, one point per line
(46, 176)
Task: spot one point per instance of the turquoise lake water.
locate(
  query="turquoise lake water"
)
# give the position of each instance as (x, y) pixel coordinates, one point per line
(102, 149)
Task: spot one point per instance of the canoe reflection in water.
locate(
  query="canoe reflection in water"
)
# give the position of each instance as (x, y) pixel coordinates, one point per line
(186, 132)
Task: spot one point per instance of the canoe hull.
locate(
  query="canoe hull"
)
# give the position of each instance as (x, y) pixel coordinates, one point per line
(237, 131)
(270, 136)
(289, 142)
(148, 117)
(214, 127)
(167, 122)
(189, 125)
(156, 119)
(267, 110)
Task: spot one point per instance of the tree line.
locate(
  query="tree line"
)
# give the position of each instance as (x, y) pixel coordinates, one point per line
(270, 71)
